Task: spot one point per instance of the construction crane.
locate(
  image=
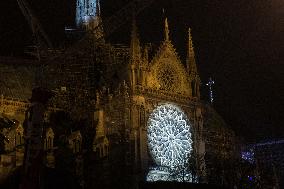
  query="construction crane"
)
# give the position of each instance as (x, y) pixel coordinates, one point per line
(111, 24)
(42, 40)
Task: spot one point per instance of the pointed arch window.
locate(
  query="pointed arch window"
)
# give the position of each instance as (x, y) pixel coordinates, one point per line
(49, 143)
(18, 139)
(77, 146)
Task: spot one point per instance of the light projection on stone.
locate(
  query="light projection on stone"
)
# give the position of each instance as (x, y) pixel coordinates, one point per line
(85, 11)
(170, 144)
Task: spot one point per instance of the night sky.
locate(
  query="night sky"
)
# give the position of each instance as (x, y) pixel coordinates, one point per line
(238, 43)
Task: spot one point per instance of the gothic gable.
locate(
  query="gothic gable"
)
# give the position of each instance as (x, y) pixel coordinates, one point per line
(167, 72)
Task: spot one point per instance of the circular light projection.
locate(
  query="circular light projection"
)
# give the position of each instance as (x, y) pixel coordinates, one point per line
(169, 137)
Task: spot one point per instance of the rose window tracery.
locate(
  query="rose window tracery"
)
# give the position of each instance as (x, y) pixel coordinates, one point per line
(169, 136)
(167, 77)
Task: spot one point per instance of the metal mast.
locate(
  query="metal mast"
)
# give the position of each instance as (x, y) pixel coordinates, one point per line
(210, 85)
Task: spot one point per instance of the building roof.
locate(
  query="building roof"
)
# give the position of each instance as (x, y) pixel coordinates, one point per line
(17, 77)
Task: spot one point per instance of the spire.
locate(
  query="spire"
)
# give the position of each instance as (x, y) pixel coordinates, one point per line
(135, 49)
(192, 68)
(145, 55)
(86, 11)
(95, 26)
(190, 63)
(167, 32)
(135, 56)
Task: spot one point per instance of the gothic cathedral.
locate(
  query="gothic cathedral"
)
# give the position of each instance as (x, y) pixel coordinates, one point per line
(116, 88)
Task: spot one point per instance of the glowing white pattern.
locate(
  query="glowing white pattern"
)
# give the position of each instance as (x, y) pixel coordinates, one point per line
(164, 174)
(85, 11)
(169, 137)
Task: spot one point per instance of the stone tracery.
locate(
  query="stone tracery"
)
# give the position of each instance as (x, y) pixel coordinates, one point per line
(169, 141)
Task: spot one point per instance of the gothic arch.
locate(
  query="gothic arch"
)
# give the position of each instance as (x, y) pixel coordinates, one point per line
(19, 135)
(49, 136)
(75, 141)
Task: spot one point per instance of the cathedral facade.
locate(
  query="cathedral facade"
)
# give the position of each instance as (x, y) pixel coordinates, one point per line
(148, 83)
(116, 88)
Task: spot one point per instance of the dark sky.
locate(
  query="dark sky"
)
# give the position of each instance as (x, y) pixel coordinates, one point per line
(238, 43)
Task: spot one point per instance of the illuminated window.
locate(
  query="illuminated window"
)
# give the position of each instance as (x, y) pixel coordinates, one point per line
(170, 144)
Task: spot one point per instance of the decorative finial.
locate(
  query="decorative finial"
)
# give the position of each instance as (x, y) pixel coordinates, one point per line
(166, 30)
(190, 40)
(134, 34)
(190, 64)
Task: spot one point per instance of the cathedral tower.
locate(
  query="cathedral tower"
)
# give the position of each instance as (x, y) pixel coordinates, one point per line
(87, 14)
(191, 68)
(135, 58)
(167, 31)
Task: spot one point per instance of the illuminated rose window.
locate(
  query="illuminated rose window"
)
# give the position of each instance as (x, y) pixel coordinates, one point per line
(169, 137)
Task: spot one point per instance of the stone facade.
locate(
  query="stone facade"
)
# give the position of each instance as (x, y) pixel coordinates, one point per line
(116, 88)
